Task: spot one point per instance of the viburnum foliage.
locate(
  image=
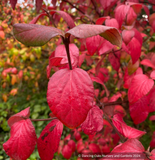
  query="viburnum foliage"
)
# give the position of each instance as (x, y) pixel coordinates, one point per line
(94, 32)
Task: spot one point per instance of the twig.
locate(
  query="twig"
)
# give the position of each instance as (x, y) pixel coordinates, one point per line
(50, 17)
(74, 6)
(108, 119)
(47, 119)
(95, 7)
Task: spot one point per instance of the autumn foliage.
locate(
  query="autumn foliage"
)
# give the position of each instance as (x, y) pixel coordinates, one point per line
(102, 89)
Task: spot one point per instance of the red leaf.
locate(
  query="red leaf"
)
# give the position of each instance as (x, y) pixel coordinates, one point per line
(72, 145)
(128, 78)
(138, 36)
(107, 4)
(55, 61)
(80, 146)
(70, 96)
(152, 18)
(131, 146)
(22, 141)
(139, 110)
(105, 47)
(93, 44)
(136, 7)
(87, 30)
(124, 129)
(37, 18)
(114, 59)
(13, 3)
(93, 122)
(33, 34)
(152, 75)
(60, 52)
(112, 23)
(140, 86)
(152, 100)
(94, 148)
(77, 135)
(49, 139)
(152, 157)
(81, 58)
(152, 118)
(148, 63)
(38, 5)
(127, 35)
(135, 49)
(24, 114)
(101, 20)
(66, 17)
(67, 151)
(131, 16)
(121, 12)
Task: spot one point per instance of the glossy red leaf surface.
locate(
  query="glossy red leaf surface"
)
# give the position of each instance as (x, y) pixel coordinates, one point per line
(48, 142)
(124, 129)
(140, 86)
(70, 96)
(87, 30)
(93, 122)
(139, 110)
(13, 3)
(22, 141)
(135, 49)
(33, 34)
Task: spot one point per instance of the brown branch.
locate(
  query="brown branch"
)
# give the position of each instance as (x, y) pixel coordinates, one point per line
(66, 43)
(50, 17)
(115, 103)
(96, 9)
(47, 119)
(74, 6)
(121, 137)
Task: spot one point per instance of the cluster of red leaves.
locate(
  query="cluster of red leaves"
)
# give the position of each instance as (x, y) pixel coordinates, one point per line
(70, 93)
